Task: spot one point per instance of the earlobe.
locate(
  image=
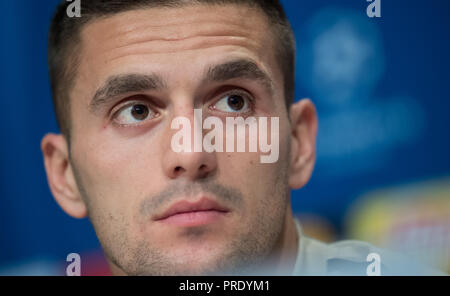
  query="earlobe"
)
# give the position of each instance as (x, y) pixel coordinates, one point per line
(60, 175)
(303, 145)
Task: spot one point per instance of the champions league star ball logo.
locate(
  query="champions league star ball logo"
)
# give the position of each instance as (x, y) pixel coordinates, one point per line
(340, 63)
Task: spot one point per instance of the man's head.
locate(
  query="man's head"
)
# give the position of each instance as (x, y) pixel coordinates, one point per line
(120, 74)
(64, 42)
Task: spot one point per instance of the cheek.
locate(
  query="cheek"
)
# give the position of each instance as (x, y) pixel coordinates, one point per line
(247, 168)
(117, 175)
(246, 172)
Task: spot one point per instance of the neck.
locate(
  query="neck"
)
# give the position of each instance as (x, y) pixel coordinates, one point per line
(285, 252)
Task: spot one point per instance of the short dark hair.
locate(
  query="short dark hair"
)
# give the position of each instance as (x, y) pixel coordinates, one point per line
(64, 40)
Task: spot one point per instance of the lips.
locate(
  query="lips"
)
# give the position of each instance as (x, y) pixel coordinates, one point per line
(192, 209)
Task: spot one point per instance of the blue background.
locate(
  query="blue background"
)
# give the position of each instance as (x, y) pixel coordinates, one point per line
(383, 119)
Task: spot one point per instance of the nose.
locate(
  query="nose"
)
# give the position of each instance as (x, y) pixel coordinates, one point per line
(192, 164)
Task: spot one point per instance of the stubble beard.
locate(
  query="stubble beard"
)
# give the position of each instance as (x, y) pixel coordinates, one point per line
(244, 254)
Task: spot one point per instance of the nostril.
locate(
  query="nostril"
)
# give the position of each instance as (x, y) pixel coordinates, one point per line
(178, 171)
(203, 171)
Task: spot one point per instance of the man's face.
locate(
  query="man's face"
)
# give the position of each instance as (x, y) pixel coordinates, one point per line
(138, 71)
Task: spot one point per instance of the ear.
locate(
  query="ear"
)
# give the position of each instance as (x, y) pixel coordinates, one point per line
(303, 145)
(60, 175)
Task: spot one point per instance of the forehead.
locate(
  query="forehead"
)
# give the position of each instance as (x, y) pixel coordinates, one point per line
(172, 24)
(159, 39)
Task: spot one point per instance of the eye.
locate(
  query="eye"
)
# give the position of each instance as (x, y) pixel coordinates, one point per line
(233, 103)
(134, 114)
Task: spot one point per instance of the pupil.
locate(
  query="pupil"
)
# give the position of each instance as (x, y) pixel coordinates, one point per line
(236, 102)
(140, 112)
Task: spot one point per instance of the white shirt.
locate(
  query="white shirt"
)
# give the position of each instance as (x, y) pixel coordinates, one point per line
(350, 257)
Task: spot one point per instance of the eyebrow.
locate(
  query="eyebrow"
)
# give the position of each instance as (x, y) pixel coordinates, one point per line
(122, 84)
(240, 68)
(126, 83)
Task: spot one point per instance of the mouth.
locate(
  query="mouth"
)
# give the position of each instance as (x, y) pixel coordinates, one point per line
(189, 214)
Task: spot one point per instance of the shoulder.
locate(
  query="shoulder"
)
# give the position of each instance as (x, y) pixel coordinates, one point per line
(351, 257)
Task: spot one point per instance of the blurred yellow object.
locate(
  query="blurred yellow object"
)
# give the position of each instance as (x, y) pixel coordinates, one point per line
(316, 227)
(412, 219)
